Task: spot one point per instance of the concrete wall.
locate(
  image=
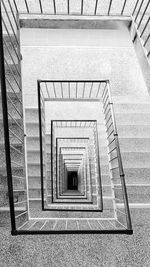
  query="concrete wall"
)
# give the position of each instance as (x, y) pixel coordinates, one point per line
(74, 54)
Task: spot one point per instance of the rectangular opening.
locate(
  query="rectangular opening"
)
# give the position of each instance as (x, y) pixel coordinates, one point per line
(72, 180)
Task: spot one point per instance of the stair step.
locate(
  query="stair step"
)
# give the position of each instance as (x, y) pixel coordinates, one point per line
(107, 202)
(35, 212)
(132, 108)
(136, 159)
(133, 118)
(71, 224)
(126, 99)
(130, 131)
(137, 175)
(135, 144)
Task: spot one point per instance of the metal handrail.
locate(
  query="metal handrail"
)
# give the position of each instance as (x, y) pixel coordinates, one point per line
(55, 124)
(11, 113)
(53, 89)
(68, 8)
(41, 145)
(99, 168)
(137, 17)
(121, 170)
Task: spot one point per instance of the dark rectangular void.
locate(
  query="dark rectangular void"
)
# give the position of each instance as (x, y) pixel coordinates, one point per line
(72, 180)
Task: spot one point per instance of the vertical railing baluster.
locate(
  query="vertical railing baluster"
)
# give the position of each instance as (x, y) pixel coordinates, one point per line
(76, 90)
(69, 88)
(10, 38)
(27, 7)
(54, 89)
(68, 6)
(12, 12)
(140, 16)
(11, 25)
(82, 2)
(124, 4)
(135, 7)
(146, 40)
(83, 90)
(109, 8)
(138, 11)
(62, 90)
(41, 8)
(91, 90)
(145, 27)
(143, 14)
(14, 1)
(96, 3)
(47, 90)
(10, 54)
(54, 4)
(98, 89)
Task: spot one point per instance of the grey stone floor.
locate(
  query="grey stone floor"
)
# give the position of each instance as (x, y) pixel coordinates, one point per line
(79, 250)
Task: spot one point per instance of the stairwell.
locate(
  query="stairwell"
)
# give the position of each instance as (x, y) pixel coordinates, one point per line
(84, 58)
(126, 90)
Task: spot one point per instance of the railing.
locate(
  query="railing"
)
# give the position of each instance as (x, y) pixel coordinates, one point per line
(92, 89)
(81, 152)
(98, 161)
(69, 7)
(77, 125)
(73, 90)
(141, 18)
(70, 164)
(69, 141)
(10, 73)
(115, 161)
(53, 90)
(64, 91)
(70, 158)
(13, 115)
(139, 10)
(41, 110)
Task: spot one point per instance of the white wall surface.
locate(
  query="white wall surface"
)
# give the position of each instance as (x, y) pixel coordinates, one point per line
(79, 54)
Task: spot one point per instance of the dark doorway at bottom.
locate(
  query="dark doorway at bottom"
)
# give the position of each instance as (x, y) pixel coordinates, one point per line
(72, 181)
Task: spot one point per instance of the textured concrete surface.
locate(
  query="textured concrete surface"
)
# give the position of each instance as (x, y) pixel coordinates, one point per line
(102, 60)
(79, 250)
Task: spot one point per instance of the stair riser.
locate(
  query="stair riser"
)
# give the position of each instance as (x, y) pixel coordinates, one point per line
(136, 194)
(137, 175)
(32, 129)
(133, 119)
(130, 131)
(131, 108)
(135, 144)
